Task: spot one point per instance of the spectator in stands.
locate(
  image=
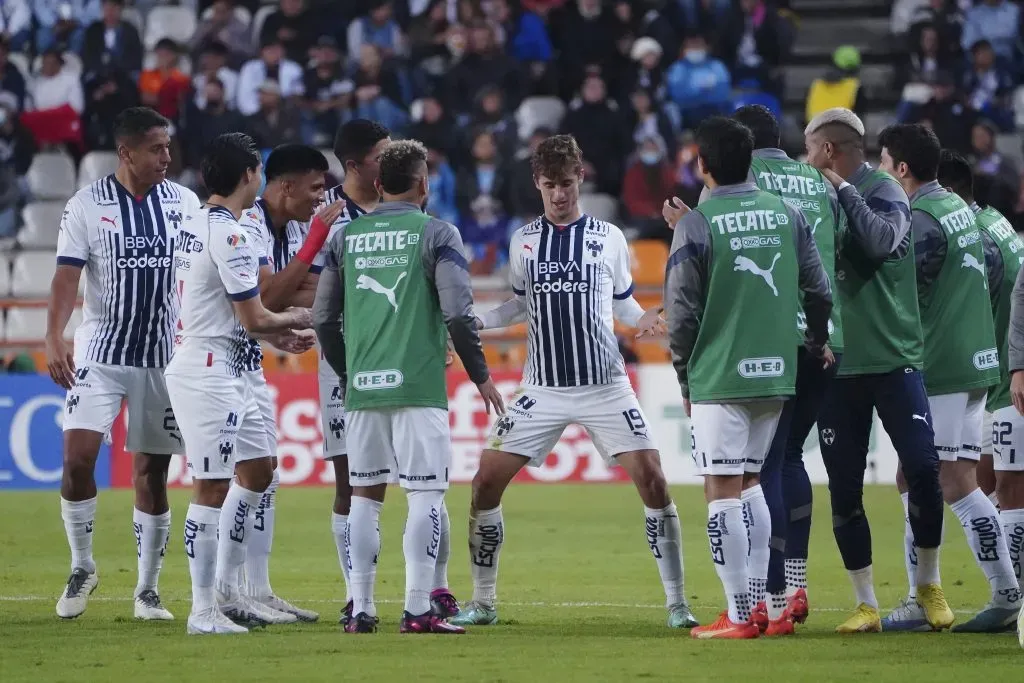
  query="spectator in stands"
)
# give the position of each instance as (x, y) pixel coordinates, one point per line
(485, 231)
(327, 92)
(587, 33)
(205, 122)
(112, 41)
(699, 84)
(165, 87)
(646, 119)
(525, 33)
(213, 63)
(11, 78)
(1003, 173)
(483, 175)
(697, 16)
(524, 202)
(270, 65)
(598, 126)
(378, 92)
(442, 187)
(751, 45)
(427, 37)
(378, 28)
(988, 85)
(483, 64)
(16, 23)
(17, 147)
(925, 60)
(945, 114)
(276, 122)
(689, 181)
(432, 126)
(55, 87)
(649, 75)
(294, 27)
(997, 21)
(108, 92)
(839, 87)
(946, 18)
(61, 23)
(650, 178)
(491, 115)
(224, 28)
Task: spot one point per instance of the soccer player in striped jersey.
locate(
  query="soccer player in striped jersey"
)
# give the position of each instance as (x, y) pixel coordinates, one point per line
(120, 230)
(210, 385)
(570, 274)
(287, 243)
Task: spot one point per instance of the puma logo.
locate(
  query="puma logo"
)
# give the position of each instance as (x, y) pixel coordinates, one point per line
(112, 221)
(744, 263)
(367, 282)
(814, 228)
(922, 418)
(971, 262)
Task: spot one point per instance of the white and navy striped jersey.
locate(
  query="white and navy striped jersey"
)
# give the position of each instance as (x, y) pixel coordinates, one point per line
(215, 263)
(569, 276)
(126, 246)
(275, 247)
(351, 212)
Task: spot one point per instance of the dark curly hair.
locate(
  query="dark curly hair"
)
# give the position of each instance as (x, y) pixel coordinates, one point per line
(558, 156)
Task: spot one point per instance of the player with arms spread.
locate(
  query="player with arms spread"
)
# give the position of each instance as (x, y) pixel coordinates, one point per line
(221, 417)
(394, 280)
(570, 274)
(120, 230)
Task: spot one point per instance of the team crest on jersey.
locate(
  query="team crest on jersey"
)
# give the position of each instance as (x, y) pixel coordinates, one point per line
(236, 240)
(594, 247)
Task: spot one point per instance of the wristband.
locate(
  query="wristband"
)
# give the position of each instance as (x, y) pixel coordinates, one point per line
(318, 231)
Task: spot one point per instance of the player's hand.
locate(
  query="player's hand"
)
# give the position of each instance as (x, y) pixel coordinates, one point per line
(292, 341)
(491, 397)
(331, 212)
(60, 362)
(302, 318)
(828, 358)
(1017, 391)
(673, 211)
(651, 324)
(687, 406)
(832, 176)
(449, 356)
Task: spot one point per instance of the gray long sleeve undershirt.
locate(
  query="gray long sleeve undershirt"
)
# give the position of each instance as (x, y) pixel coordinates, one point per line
(878, 221)
(688, 273)
(930, 246)
(444, 265)
(1016, 334)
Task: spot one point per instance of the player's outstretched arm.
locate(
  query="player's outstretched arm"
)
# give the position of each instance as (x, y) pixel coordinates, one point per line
(685, 292)
(878, 221)
(60, 305)
(813, 282)
(328, 307)
(289, 287)
(257, 320)
(511, 312)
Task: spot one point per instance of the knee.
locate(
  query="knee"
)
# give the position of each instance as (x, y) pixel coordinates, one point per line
(211, 492)
(847, 502)
(652, 486)
(151, 471)
(1010, 490)
(487, 491)
(255, 475)
(79, 462)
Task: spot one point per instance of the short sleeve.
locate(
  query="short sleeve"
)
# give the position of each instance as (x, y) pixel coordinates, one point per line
(73, 238)
(622, 270)
(237, 265)
(516, 272)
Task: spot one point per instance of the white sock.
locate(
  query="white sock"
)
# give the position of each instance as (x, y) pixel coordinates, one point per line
(420, 545)
(757, 518)
(796, 576)
(257, 555)
(728, 537)
(79, 516)
(234, 530)
(1013, 532)
(151, 532)
(665, 539)
(486, 536)
(444, 550)
(980, 520)
(909, 549)
(201, 548)
(338, 524)
(363, 536)
(776, 605)
(864, 586)
(927, 567)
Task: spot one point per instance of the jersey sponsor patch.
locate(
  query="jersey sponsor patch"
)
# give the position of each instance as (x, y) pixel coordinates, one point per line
(375, 380)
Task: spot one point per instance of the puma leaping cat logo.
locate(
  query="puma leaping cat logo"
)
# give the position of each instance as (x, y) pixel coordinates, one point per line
(814, 228)
(744, 263)
(367, 282)
(971, 262)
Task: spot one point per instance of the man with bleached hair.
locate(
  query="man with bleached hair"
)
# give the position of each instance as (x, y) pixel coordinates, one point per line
(881, 369)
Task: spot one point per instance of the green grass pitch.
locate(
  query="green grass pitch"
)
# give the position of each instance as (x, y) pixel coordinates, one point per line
(579, 599)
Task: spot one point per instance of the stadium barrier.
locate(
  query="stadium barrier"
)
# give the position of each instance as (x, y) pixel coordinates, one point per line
(31, 412)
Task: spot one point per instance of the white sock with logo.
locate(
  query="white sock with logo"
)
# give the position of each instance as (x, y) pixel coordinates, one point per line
(79, 517)
(201, 548)
(257, 555)
(665, 539)
(758, 520)
(363, 536)
(420, 545)
(863, 581)
(233, 532)
(980, 520)
(151, 533)
(909, 550)
(1013, 532)
(444, 550)
(338, 524)
(486, 536)
(728, 537)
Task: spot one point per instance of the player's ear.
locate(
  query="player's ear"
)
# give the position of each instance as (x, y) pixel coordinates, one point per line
(377, 186)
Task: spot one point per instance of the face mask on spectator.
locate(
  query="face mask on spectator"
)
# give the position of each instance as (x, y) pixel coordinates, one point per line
(650, 157)
(696, 55)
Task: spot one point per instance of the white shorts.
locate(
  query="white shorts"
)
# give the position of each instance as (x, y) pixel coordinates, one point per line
(332, 417)
(958, 421)
(265, 403)
(95, 401)
(1007, 440)
(733, 438)
(537, 416)
(415, 441)
(986, 434)
(221, 422)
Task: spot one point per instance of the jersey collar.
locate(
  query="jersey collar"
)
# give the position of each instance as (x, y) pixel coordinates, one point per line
(122, 190)
(578, 223)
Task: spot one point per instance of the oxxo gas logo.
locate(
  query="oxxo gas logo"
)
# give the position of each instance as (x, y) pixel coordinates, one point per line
(987, 359)
(759, 368)
(377, 379)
